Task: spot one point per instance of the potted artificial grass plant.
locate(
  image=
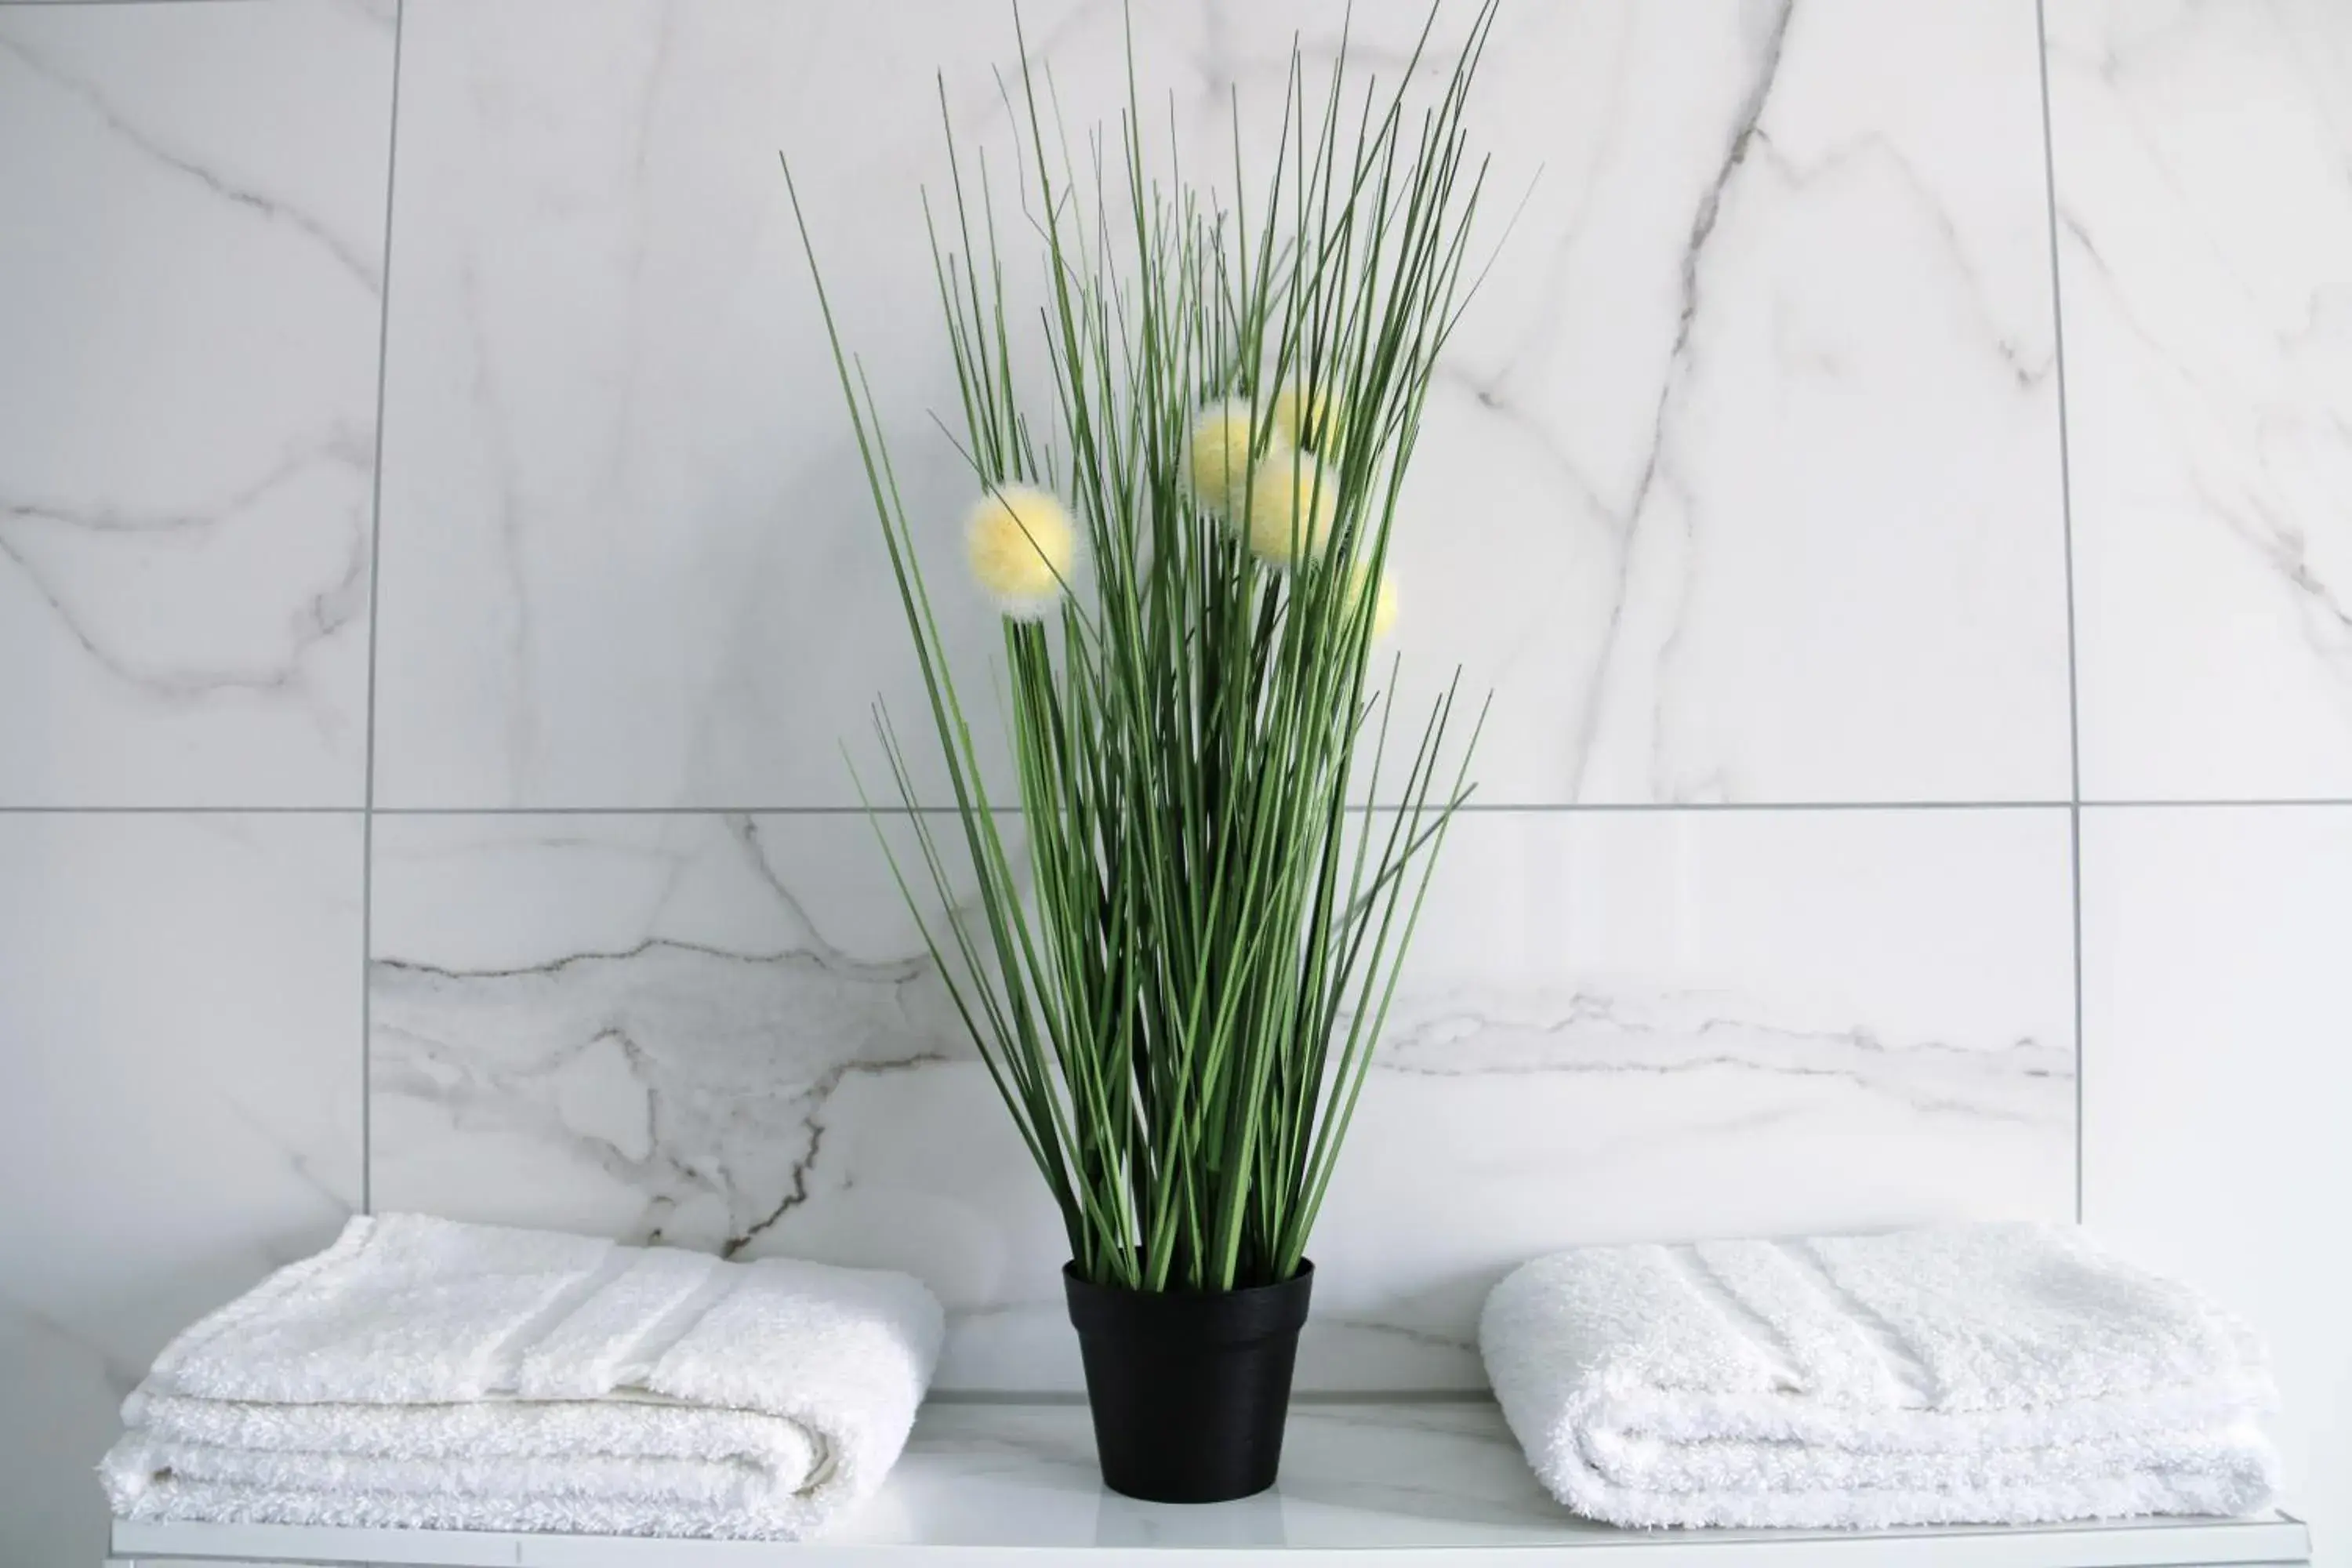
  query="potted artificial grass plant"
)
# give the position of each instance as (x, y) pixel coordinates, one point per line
(1179, 958)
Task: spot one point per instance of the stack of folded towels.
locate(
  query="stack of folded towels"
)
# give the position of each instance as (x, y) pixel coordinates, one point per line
(1965, 1375)
(421, 1373)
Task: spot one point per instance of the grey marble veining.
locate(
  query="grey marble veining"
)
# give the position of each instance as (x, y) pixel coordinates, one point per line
(191, 316)
(1587, 1033)
(722, 1031)
(1740, 483)
(2203, 159)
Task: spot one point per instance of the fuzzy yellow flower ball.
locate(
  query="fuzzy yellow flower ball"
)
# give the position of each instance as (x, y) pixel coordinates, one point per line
(1293, 503)
(1305, 419)
(1219, 459)
(1023, 549)
(1384, 601)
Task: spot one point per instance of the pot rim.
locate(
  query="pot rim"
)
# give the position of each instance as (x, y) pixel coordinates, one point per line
(1249, 1312)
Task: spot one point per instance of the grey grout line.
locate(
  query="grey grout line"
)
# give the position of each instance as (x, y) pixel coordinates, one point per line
(2219, 803)
(2066, 520)
(351, 810)
(1499, 808)
(375, 579)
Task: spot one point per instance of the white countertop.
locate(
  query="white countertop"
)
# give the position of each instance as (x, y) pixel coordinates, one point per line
(1420, 1482)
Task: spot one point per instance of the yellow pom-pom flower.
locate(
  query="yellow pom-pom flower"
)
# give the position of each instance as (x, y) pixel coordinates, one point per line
(1305, 419)
(1293, 503)
(1220, 458)
(1023, 549)
(1384, 602)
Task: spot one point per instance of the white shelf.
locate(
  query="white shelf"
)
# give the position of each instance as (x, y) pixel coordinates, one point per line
(983, 1485)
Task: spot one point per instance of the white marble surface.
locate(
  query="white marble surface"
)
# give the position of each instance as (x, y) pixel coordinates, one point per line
(1422, 1483)
(718, 1030)
(1743, 484)
(180, 1044)
(2203, 156)
(190, 301)
(2215, 1080)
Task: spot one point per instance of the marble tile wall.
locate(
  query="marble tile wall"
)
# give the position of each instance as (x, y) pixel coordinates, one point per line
(2205, 251)
(194, 268)
(622, 517)
(434, 591)
(2203, 157)
(192, 244)
(706, 1029)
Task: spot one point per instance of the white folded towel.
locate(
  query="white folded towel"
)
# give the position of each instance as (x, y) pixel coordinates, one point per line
(427, 1373)
(2006, 1374)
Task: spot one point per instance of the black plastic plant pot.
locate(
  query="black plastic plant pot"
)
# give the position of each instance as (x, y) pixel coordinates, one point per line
(1189, 1389)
